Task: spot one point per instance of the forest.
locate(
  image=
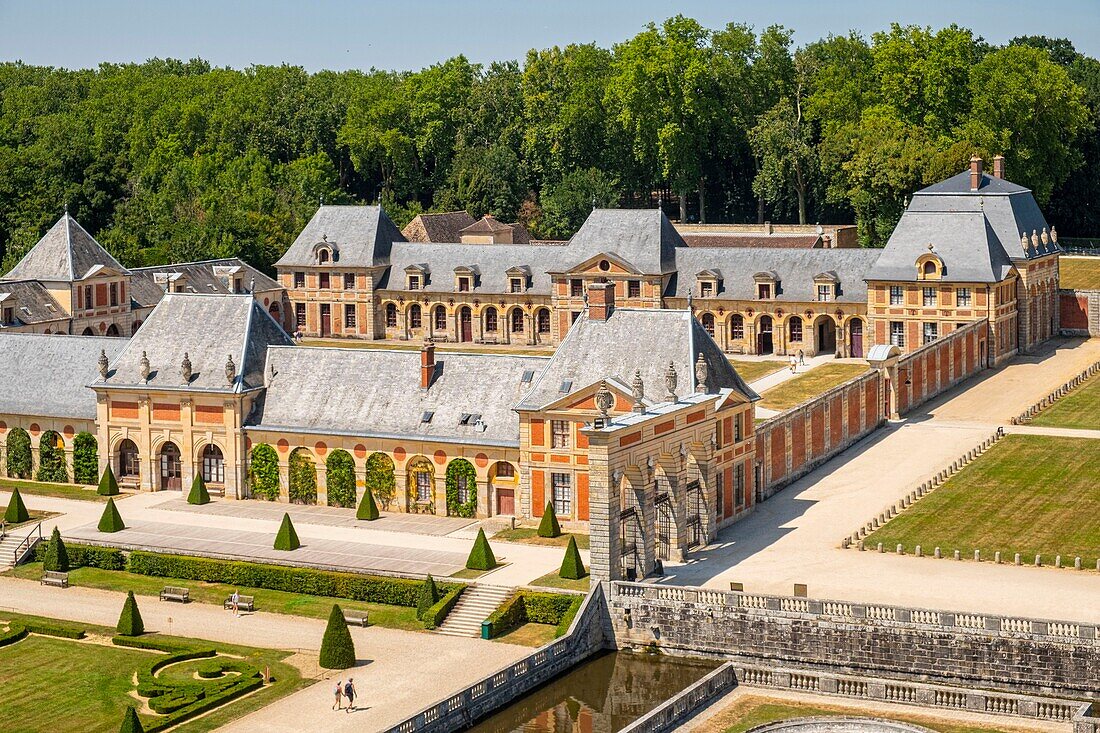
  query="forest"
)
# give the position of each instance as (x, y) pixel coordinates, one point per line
(174, 160)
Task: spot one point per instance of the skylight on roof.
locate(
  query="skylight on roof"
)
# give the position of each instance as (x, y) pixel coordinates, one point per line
(527, 377)
(426, 416)
(566, 386)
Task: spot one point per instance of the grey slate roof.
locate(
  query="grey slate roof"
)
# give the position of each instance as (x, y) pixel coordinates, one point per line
(208, 328)
(975, 233)
(492, 260)
(795, 270)
(47, 376)
(33, 303)
(643, 237)
(200, 277)
(645, 339)
(367, 392)
(360, 235)
(65, 253)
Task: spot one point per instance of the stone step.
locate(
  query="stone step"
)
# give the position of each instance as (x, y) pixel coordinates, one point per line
(475, 605)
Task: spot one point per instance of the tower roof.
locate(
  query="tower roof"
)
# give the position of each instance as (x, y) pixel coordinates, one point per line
(67, 252)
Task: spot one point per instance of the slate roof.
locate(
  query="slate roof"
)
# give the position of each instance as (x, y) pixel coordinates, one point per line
(632, 339)
(367, 392)
(33, 303)
(360, 235)
(47, 376)
(486, 225)
(975, 233)
(643, 237)
(784, 241)
(200, 278)
(208, 328)
(65, 253)
(795, 270)
(442, 227)
(493, 261)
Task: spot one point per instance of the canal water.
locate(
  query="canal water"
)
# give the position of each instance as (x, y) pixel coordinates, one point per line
(605, 693)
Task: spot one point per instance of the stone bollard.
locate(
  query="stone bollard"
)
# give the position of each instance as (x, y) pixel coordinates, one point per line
(1057, 561)
(861, 545)
(918, 552)
(874, 523)
(1076, 563)
(958, 555)
(901, 550)
(938, 554)
(1098, 564)
(997, 557)
(880, 547)
(1038, 561)
(977, 555)
(1017, 558)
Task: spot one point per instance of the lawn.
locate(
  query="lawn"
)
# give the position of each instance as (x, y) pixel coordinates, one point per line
(529, 536)
(63, 684)
(1032, 494)
(36, 516)
(551, 580)
(810, 384)
(535, 635)
(750, 371)
(1079, 273)
(1078, 409)
(65, 491)
(270, 601)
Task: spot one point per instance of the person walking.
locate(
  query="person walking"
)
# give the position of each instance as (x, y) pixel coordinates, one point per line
(349, 693)
(235, 603)
(794, 364)
(801, 358)
(339, 691)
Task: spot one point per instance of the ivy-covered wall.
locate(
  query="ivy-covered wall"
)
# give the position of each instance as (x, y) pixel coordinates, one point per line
(340, 479)
(380, 479)
(85, 459)
(461, 479)
(20, 463)
(303, 478)
(263, 472)
(51, 458)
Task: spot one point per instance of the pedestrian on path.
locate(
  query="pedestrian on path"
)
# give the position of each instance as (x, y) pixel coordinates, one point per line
(339, 691)
(235, 603)
(801, 358)
(794, 364)
(349, 693)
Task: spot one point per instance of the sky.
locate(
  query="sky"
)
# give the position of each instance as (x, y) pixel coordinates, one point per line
(405, 34)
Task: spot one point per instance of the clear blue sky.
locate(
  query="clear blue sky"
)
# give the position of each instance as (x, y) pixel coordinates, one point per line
(402, 34)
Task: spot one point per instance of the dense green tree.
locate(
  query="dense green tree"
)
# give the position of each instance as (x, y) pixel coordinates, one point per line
(567, 203)
(429, 596)
(263, 472)
(302, 487)
(51, 458)
(784, 143)
(19, 458)
(85, 458)
(57, 557)
(129, 621)
(340, 479)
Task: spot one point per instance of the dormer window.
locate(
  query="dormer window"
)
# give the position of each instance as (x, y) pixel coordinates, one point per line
(416, 277)
(515, 285)
(414, 282)
(930, 266)
(464, 278)
(708, 283)
(827, 286)
(706, 289)
(324, 257)
(463, 284)
(9, 316)
(824, 293)
(767, 285)
(764, 291)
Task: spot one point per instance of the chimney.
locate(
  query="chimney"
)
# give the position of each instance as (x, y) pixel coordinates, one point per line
(975, 172)
(999, 167)
(601, 301)
(427, 364)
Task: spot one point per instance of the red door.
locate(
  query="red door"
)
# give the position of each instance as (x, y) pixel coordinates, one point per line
(506, 501)
(466, 326)
(855, 329)
(326, 319)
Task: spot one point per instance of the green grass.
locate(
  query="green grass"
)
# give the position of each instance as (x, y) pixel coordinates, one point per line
(551, 580)
(270, 601)
(39, 488)
(36, 516)
(535, 635)
(1032, 494)
(1079, 273)
(61, 684)
(810, 384)
(1078, 409)
(750, 371)
(529, 536)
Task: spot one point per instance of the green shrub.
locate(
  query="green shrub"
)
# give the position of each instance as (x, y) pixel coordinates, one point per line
(287, 539)
(130, 721)
(16, 631)
(129, 621)
(85, 458)
(16, 512)
(481, 555)
(210, 670)
(263, 472)
(337, 648)
(434, 616)
(368, 509)
(556, 609)
(303, 478)
(508, 615)
(56, 558)
(108, 486)
(572, 568)
(547, 608)
(567, 617)
(51, 459)
(380, 480)
(81, 556)
(460, 471)
(111, 521)
(340, 479)
(429, 596)
(198, 495)
(549, 526)
(20, 462)
(62, 629)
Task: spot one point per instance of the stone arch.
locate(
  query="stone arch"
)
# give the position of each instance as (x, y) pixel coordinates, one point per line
(389, 314)
(439, 318)
(87, 331)
(169, 466)
(542, 324)
(340, 479)
(765, 334)
(51, 458)
(420, 483)
(211, 462)
(824, 334)
(112, 330)
(516, 318)
(735, 327)
(795, 330)
(856, 330)
(461, 488)
(491, 319)
(127, 461)
(504, 479)
(707, 320)
(414, 317)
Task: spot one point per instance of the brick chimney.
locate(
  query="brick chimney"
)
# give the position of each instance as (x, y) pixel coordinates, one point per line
(975, 172)
(601, 301)
(999, 167)
(427, 364)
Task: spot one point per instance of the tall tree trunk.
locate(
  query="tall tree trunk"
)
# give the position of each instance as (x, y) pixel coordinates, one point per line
(801, 206)
(683, 206)
(702, 202)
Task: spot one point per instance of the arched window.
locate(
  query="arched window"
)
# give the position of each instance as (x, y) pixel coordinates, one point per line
(517, 320)
(415, 320)
(213, 465)
(87, 332)
(737, 327)
(491, 320)
(322, 256)
(128, 461)
(543, 318)
(794, 329)
(440, 318)
(112, 330)
(930, 268)
(708, 324)
(391, 315)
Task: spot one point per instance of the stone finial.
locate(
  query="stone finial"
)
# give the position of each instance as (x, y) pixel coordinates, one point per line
(1053, 235)
(700, 374)
(637, 390)
(185, 369)
(604, 399)
(670, 382)
(145, 366)
(104, 364)
(1044, 237)
(1023, 240)
(230, 370)
(1035, 239)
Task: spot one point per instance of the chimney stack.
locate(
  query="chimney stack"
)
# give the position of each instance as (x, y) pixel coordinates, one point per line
(427, 364)
(999, 167)
(975, 172)
(601, 301)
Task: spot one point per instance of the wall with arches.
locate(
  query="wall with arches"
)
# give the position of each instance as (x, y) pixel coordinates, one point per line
(65, 428)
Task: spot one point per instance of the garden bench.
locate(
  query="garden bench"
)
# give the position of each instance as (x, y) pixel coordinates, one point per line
(175, 593)
(52, 577)
(359, 618)
(244, 603)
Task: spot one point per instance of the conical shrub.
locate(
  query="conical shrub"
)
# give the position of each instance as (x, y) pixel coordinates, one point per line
(287, 539)
(129, 622)
(111, 521)
(368, 509)
(481, 555)
(108, 486)
(199, 494)
(429, 596)
(337, 648)
(17, 510)
(57, 557)
(549, 526)
(130, 722)
(572, 568)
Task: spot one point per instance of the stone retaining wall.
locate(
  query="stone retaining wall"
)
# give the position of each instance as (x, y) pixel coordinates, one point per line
(669, 714)
(1079, 312)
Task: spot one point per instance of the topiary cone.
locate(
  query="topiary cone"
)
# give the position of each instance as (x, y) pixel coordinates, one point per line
(57, 557)
(549, 526)
(429, 596)
(129, 621)
(572, 568)
(287, 539)
(337, 647)
(367, 510)
(130, 722)
(111, 521)
(481, 555)
(17, 510)
(108, 486)
(199, 494)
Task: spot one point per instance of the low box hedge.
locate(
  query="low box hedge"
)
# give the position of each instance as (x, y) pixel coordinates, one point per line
(87, 556)
(15, 632)
(525, 606)
(435, 615)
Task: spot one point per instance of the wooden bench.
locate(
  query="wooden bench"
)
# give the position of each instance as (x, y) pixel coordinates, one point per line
(52, 577)
(359, 618)
(175, 593)
(244, 603)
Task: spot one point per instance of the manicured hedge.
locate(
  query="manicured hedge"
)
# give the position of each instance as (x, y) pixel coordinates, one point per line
(86, 556)
(19, 629)
(85, 458)
(555, 609)
(15, 632)
(263, 472)
(340, 479)
(51, 459)
(437, 613)
(508, 616)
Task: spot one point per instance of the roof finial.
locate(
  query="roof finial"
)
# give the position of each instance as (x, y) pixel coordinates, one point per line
(637, 390)
(1053, 234)
(145, 370)
(104, 365)
(185, 369)
(230, 370)
(700, 374)
(593, 202)
(604, 399)
(670, 382)
(66, 208)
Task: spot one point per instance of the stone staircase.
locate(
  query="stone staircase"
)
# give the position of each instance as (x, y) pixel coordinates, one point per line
(8, 545)
(474, 606)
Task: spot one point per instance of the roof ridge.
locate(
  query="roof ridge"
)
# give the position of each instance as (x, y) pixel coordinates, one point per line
(69, 243)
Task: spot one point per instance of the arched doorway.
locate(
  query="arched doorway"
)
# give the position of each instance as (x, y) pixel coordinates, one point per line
(855, 338)
(112, 330)
(542, 324)
(170, 467)
(213, 465)
(465, 324)
(764, 335)
(825, 328)
(129, 465)
(87, 332)
(503, 478)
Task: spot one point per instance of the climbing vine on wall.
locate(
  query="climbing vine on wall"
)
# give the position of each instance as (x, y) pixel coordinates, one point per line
(263, 472)
(20, 462)
(340, 479)
(51, 459)
(303, 478)
(85, 459)
(380, 479)
(461, 478)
